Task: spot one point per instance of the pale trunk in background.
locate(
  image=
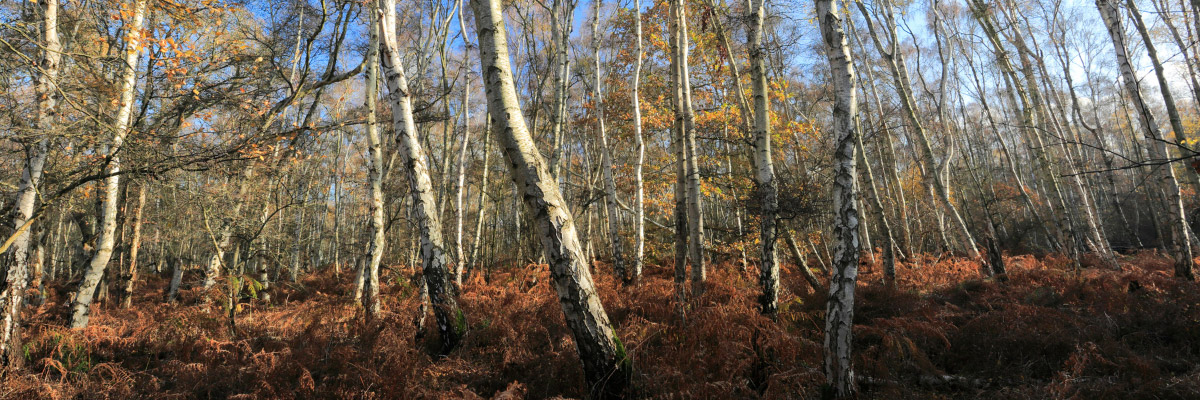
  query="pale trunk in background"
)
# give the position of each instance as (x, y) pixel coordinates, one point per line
(1173, 213)
(640, 222)
(135, 246)
(677, 148)
(460, 182)
(692, 154)
(606, 164)
(1189, 174)
(899, 70)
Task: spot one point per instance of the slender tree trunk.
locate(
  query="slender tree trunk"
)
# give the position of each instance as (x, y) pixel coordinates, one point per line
(483, 185)
(12, 298)
(889, 244)
(895, 61)
(460, 182)
(560, 33)
(839, 311)
(677, 147)
(802, 261)
(1032, 105)
(692, 156)
(892, 170)
(225, 234)
(605, 365)
(135, 246)
(442, 296)
(640, 218)
(1179, 232)
(768, 195)
(606, 163)
(1180, 135)
(108, 217)
(369, 281)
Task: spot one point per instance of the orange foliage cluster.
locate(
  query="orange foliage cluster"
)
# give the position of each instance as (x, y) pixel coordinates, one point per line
(1050, 332)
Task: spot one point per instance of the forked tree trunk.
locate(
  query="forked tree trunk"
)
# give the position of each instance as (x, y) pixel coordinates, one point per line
(108, 216)
(605, 365)
(225, 232)
(442, 295)
(839, 310)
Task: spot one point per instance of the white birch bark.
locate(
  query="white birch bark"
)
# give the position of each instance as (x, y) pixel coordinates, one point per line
(108, 217)
(1173, 213)
(839, 311)
(899, 69)
(442, 294)
(640, 218)
(135, 245)
(692, 154)
(13, 296)
(604, 361)
(1163, 87)
(768, 194)
(606, 164)
(460, 182)
(369, 287)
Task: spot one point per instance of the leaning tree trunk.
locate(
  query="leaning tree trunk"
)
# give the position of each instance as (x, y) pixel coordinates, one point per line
(442, 295)
(108, 216)
(1173, 213)
(768, 194)
(13, 296)
(610, 183)
(605, 365)
(839, 310)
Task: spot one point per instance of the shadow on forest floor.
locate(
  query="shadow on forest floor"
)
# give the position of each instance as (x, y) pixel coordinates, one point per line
(1050, 332)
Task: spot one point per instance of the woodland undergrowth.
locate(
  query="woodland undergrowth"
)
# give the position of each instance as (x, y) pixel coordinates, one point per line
(1050, 331)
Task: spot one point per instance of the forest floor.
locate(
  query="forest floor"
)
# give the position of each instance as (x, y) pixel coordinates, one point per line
(1049, 332)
